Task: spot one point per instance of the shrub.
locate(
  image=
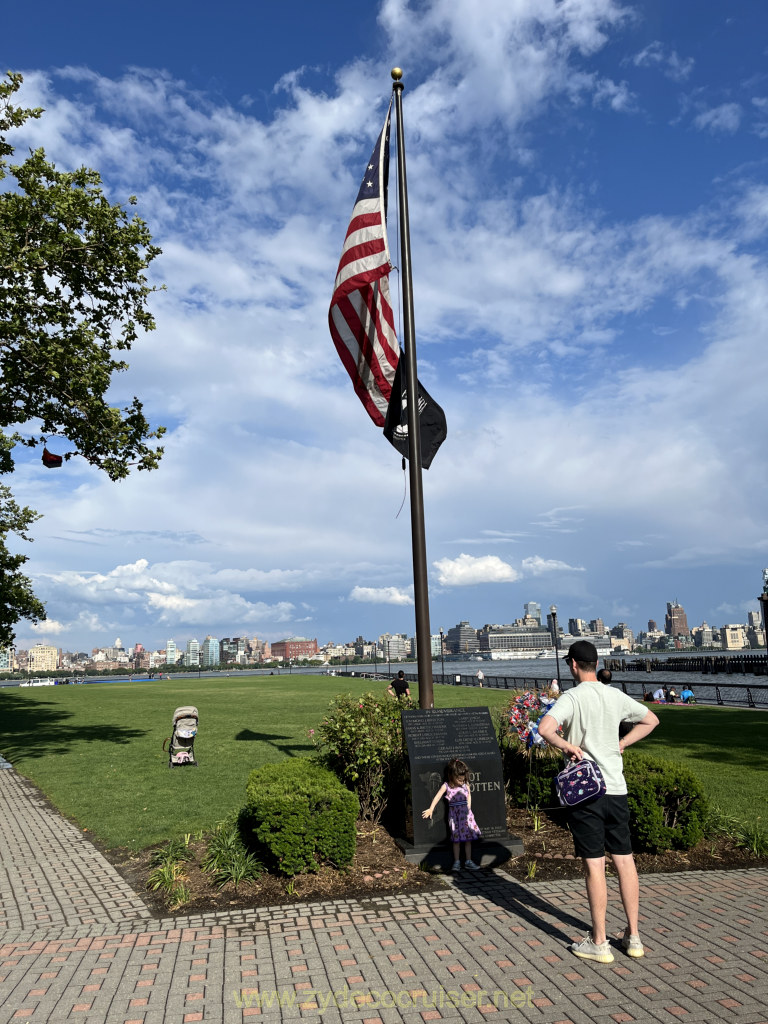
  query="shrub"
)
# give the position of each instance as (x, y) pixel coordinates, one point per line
(297, 815)
(361, 740)
(226, 857)
(175, 849)
(168, 875)
(667, 806)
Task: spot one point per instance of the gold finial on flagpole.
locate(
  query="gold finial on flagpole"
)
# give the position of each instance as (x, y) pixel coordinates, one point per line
(397, 74)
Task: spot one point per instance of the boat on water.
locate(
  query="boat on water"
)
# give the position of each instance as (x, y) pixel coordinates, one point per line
(519, 655)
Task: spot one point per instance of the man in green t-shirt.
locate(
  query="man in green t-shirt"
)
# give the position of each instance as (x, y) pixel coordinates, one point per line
(589, 716)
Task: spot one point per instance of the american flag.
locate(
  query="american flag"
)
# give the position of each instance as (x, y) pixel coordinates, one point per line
(360, 317)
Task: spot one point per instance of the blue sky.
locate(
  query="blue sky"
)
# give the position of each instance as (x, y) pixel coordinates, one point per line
(589, 210)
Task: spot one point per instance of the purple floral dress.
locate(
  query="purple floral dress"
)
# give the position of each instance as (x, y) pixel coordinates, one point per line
(460, 817)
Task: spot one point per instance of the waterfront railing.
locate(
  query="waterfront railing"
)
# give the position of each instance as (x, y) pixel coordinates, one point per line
(738, 695)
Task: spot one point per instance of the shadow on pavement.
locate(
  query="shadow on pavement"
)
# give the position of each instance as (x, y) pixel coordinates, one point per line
(515, 898)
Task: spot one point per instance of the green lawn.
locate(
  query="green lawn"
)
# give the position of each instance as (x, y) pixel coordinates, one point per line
(727, 748)
(96, 750)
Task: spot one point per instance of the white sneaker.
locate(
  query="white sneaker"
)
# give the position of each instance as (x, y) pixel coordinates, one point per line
(471, 865)
(456, 865)
(632, 944)
(589, 950)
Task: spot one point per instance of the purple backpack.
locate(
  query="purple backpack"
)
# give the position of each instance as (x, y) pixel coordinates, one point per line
(579, 782)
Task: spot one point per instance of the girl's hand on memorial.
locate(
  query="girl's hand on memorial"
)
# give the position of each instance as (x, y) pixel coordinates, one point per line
(427, 813)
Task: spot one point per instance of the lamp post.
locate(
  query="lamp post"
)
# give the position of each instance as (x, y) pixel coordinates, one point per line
(553, 613)
(763, 599)
(442, 657)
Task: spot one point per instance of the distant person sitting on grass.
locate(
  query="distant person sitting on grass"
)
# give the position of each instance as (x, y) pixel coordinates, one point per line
(399, 687)
(687, 696)
(658, 695)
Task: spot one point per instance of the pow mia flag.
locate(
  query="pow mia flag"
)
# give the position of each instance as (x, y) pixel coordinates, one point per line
(434, 429)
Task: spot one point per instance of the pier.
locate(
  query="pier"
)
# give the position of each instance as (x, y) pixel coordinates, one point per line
(705, 664)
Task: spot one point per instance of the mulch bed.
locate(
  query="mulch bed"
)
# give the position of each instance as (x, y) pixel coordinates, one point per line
(379, 868)
(549, 852)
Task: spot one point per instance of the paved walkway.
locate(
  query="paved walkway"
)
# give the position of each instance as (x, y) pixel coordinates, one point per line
(76, 944)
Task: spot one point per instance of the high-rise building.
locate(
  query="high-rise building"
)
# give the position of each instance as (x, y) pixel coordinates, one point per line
(596, 626)
(702, 635)
(233, 650)
(210, 652)
(652, 627)
(577, 627)
(171, 652)
(533, 611)
(192, 657)
(676, 621)
(461, 639)
(622, 632)
(43, 658)
(733, 637)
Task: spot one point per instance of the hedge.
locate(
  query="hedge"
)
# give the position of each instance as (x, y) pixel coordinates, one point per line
(667, 806)
(298, 815)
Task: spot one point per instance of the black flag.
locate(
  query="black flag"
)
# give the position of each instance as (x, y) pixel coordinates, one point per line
(431, 419)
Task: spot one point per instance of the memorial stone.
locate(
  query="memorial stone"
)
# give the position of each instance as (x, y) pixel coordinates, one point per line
(433, 737)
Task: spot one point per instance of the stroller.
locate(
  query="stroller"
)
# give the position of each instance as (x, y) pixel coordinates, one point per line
(181, 749)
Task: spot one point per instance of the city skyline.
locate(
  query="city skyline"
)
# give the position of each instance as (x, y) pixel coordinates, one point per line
(676, 626)
(589, 223)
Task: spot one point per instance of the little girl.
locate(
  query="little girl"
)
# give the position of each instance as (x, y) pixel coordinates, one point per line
(460, 817)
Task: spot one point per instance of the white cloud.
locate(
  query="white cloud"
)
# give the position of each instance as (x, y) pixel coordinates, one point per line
(467, 571)
(50, 627)
(180, 595)
(605, 367)
(671, 64)
(381, 595)
(725, 118)
(617, 96)
(536, 565)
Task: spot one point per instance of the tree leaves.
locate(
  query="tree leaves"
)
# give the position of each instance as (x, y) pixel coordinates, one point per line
(73, 294)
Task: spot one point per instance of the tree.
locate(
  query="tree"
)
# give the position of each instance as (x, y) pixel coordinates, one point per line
(72, 294)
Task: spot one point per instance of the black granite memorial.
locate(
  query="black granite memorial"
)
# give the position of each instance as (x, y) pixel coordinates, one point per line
(433, 737)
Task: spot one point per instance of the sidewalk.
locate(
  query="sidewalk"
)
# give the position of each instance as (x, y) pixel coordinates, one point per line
(77, 944)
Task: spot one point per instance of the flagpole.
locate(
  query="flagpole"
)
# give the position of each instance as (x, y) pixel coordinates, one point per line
(418, 537)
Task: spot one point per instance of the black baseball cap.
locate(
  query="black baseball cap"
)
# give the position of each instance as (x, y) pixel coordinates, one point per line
(582, 650)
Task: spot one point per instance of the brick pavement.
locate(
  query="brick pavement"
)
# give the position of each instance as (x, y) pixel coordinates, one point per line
(78, 945)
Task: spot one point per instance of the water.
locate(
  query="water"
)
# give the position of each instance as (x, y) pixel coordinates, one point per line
(733, 687)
